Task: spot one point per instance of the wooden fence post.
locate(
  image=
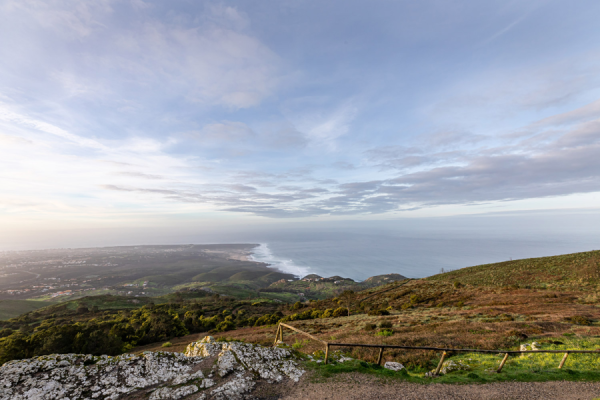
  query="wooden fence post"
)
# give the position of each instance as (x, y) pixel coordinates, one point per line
(380, 356)
(326, 352)
(562, 362)
(277, 335)
(503, 362)
(439, 367)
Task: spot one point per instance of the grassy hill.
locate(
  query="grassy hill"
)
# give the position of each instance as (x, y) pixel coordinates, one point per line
(552, 300)
(14, 308)
(564, 271)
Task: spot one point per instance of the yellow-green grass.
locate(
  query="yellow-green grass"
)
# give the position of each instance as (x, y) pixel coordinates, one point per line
(482, 368)
(564, 271)
(13, 308)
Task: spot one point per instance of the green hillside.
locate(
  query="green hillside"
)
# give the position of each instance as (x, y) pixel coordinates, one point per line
(564, 271)
(14, 308)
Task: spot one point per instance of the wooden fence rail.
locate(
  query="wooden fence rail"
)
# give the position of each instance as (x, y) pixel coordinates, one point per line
(381, 347)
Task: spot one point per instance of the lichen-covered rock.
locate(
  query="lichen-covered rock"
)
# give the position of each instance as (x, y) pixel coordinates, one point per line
(78, 376)
(167, 393)
(454, 365)
(270, 363)
(207, 347)
(394, 366)
(187, 377)
(170, 375)
(235, 388)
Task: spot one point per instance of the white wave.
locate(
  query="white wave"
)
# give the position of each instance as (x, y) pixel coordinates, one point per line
(263, 254)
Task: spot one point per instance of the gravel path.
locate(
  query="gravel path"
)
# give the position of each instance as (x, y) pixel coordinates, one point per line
(361, 387)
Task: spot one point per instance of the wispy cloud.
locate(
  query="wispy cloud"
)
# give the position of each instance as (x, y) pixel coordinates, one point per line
(117, 108)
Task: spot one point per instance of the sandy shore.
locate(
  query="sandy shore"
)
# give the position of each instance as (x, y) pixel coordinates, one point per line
(240, 255)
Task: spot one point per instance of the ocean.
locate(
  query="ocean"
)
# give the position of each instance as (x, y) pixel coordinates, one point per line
(358, 249)
(417, 250)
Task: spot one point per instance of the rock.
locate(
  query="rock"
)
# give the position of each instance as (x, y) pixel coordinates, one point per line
(187, 377)
(62, 376)
(452, 365)
(270, 363)
(344, 359)
(207, 347)
(394, 366)
(523, 347)
(235, 388)
(173, 394)
(449, 366)
(174, 375)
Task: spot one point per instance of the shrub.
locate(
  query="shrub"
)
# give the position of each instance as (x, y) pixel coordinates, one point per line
(385, 324)
(328, 313)
(167, 344)
(225, 326)
(299, 344)
(271, 319)
(460, 304)
(385, 332)
(369, 327)
(406, 306)
(379, 312)
(579, 320)
(505, 317)
(340, 312)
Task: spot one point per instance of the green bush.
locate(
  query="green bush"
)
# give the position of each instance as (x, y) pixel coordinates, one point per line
(225, 326)
(167, 344)
(340, 312)
(579, 320)
(379, 312)
(385, 332)
(385, 325)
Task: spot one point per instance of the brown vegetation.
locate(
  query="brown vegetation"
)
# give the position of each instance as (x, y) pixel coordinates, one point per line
(444, 314)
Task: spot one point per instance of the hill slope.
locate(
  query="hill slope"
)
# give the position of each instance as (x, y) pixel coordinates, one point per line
(569, 270)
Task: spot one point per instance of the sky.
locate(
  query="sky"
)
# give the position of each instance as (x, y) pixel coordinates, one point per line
(161, 113)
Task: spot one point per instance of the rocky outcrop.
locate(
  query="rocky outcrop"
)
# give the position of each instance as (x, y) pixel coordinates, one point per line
(207, 370)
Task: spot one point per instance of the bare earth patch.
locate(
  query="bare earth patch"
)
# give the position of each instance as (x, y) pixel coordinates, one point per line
(364, 387)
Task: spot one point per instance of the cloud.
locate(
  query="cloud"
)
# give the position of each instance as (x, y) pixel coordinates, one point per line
(139, 175)
(135, 57)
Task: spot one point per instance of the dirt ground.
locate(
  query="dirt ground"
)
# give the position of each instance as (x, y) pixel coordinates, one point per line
(363, 387)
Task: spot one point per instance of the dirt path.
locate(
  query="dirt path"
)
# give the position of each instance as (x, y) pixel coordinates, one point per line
(362, 387)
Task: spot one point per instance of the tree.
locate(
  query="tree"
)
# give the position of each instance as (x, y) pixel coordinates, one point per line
(346, 299)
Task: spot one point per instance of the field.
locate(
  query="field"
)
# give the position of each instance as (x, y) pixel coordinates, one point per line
(482, 368)
(14, 308)
(142, 271)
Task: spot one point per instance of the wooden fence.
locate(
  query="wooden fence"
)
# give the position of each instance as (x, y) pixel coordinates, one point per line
(445, 351)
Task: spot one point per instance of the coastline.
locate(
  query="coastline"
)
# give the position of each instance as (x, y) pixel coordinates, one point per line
(263, 254)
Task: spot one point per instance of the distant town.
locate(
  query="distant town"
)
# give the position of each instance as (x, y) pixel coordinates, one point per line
(52, 274)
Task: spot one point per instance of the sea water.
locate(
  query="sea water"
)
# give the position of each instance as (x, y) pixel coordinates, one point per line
(358, 249)
(416, 249)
